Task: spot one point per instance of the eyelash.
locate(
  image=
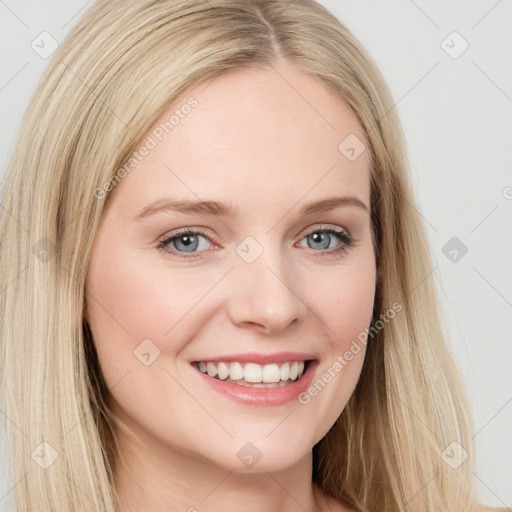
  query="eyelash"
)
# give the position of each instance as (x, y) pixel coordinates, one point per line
(346, 237)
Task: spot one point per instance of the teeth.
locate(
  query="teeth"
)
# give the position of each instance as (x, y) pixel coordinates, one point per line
(223, 371)
(285, 371)
(236, 371)
(271, 373)
(294, 370)
(211, 369)
(253, 372)
(268, 375)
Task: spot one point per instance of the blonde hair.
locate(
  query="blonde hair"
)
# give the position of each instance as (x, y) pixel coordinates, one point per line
(116, 73)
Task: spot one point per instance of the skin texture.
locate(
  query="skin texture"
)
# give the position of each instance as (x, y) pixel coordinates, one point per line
(265, 139)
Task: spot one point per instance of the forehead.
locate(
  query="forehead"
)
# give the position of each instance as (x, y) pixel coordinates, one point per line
(260, 133)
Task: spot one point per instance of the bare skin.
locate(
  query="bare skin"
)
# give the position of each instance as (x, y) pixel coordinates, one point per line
(269, 148)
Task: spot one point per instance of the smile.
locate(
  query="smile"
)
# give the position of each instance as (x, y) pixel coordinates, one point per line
(258, 379)
(254, 374)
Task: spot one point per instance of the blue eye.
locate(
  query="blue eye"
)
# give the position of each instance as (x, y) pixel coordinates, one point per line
(186, 243)
(321, 239)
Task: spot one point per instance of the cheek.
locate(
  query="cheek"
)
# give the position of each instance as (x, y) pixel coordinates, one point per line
(344, 304)
(130, 301)
(349, 312)
(344, 301)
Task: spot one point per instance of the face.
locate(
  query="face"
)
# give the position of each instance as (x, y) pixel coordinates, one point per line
(249, 287)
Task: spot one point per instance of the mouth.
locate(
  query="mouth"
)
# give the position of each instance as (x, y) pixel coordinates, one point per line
(254, 375)
(272, 381)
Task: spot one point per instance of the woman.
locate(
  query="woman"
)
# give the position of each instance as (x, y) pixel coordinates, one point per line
(215, 292)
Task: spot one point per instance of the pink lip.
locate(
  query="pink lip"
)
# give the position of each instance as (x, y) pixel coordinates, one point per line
(262, 396)
(255, 357)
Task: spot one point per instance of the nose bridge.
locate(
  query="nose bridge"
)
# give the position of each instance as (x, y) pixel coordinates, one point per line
(262, 287)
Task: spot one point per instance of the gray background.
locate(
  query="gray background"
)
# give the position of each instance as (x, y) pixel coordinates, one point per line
(457, 115)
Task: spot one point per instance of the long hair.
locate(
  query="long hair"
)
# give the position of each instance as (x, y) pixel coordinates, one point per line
(115, 74)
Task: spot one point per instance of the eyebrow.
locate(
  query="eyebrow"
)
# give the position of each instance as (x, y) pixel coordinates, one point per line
(219, 209)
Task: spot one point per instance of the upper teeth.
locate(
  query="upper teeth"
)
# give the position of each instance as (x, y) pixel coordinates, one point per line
(252, 372)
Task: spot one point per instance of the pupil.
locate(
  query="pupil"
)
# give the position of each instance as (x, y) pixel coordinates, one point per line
(317, 238)
(188, 243)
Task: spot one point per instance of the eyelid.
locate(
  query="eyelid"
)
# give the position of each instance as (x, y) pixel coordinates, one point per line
(326, 227)
(184, 231)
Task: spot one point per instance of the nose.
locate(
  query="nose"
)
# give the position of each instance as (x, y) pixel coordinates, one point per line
(263, 293)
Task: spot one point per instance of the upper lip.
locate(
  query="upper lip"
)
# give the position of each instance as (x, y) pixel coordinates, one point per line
(259, 358)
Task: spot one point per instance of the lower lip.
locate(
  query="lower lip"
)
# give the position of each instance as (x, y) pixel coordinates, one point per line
(262, 396)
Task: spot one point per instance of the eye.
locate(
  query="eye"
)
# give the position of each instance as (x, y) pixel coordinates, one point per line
(185, 243)
(321, 239)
